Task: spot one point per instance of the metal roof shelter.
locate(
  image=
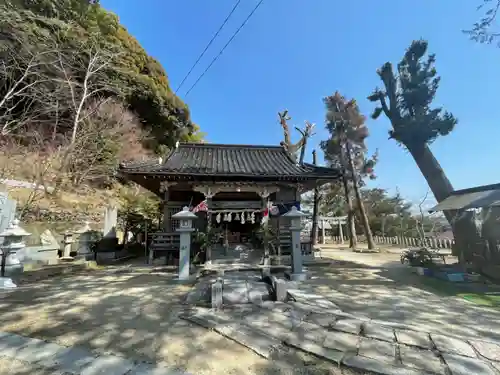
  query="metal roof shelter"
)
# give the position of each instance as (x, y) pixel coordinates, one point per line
(476, 197)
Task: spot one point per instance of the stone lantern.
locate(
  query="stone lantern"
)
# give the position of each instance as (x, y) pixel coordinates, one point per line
(295, 227)
(185, 229)
(13, 242)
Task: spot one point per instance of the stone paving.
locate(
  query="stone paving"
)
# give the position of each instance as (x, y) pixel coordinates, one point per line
(314, 324)
(73, 360)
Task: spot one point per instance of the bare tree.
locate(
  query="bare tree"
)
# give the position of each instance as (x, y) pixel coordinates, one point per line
(20, 79)
(287, 142)
(422, 232)
(94, 153)
(90, 88)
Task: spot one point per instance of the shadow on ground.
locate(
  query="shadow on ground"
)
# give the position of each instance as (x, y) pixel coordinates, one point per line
(391, 292)
(135, 316)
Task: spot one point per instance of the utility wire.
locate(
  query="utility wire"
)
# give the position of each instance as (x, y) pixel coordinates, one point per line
(225, 46)
(209, 44)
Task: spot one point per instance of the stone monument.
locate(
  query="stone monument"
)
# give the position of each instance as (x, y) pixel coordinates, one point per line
(7, 211)
(84, 242)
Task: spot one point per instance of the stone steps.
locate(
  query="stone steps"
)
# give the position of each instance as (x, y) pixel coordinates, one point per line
(313, 324)
(236, 288)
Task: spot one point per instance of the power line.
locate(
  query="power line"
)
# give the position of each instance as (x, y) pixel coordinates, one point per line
(209, 44)
(223, 48)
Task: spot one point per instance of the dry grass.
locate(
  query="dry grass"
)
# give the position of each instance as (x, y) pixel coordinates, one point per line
(26, 167)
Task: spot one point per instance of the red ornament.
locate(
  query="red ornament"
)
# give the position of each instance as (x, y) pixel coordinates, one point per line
(369, 170)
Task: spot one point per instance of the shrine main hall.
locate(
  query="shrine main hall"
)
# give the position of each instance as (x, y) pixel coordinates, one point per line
(234, 187)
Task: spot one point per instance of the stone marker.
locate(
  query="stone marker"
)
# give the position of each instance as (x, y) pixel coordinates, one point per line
(84, 242)
(217, 294)
(280, 290)
(48, 239)
(185, 229)
(110, 222)
(295, 227)
(7, 211)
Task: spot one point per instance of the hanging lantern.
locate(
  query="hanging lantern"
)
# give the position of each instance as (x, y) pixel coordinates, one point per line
(229, 217)
(237, 216)
(252, 218)
(217, 218)
(242, 218)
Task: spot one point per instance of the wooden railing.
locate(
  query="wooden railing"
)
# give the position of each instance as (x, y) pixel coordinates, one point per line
(163, 244)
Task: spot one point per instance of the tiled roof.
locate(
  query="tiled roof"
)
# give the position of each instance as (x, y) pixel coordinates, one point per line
(204, 159)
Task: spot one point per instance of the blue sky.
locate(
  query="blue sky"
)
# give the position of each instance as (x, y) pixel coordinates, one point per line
(292, 53)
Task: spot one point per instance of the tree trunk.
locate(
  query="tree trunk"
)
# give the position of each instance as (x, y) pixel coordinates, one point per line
(431, 170)
(362, 211)
(353, 241)
(314, 228)
(464, 231)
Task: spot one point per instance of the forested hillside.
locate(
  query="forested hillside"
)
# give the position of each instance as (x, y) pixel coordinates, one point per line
(77, 94)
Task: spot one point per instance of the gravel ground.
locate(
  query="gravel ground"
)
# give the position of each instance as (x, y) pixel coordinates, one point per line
(9, 366)
(380, 287)
(135, 316)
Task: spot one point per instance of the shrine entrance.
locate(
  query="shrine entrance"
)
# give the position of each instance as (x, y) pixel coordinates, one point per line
(237, 215)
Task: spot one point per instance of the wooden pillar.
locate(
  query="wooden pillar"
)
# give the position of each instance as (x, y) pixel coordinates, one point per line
(264, 195)
(323, 239)
(167, 224)
(208, 196)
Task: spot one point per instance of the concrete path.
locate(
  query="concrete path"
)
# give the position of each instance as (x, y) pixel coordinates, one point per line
(38, 355)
